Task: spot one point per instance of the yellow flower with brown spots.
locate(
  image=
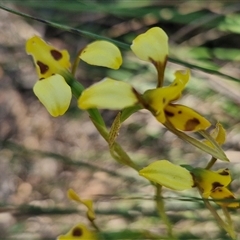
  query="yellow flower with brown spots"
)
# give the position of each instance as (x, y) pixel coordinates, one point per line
(79, 232)
(214, 184)
(53, 67)
(151, 46)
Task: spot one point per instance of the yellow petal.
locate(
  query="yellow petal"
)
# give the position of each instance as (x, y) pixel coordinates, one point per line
(219, 134)
(54, 93)
(157, 99)
(209, 180)
(151, 46)
(185, 119)
(169, 175)
(88, 203)
(79, 232)
(225, 194)
(102, 53)
(109, 94)
(47, 59)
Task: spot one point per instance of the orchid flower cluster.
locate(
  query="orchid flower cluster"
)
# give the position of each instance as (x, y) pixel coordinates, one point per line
(57, 84)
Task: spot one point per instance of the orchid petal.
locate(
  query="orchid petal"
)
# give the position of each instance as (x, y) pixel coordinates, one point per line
(79, 232)
(169, 175)
(184, 118)
(102, 53)
(47, 59)
(54, 93)
(109, 94)
(225, 194)
(151, 46)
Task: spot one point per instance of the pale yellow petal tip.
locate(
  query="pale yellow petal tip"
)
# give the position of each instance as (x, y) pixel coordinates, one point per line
(73, 195)
(54, 93)
(182, 76)
(108, 94)
(151, 45)
(31, 42)
(102, 53)
(169, 175)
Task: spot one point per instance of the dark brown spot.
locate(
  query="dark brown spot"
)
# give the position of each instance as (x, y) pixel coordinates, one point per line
(77, 232)
(191, 124)
(56, 54)
(179, 112)
(175, 84)
(225, 172)
(43, 67)
(164, 100)
(169, 114)
(216, 185)
(41, 79)
(230, 197)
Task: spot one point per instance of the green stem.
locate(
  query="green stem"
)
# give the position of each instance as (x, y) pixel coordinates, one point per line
(77, 89)
(211, 163)
(119, 44)
(122, 156)
(67, 28)
(161, 211)
(76, 62)
(219, 220)
(229, 221)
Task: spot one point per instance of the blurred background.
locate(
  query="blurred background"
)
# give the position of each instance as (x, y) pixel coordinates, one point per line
(41, 157)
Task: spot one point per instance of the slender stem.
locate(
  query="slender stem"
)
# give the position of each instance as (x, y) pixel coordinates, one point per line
(229, 221)
(76, 62)
(161, 210)
(219, 220)
(211, 163)
(66, 28)
(122, 156)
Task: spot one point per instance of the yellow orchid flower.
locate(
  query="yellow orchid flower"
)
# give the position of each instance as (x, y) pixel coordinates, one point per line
(151, 46)
(160, 101)
(79, 232)
(168, 175)
(53, 65)
(88, 203)
(214, 184)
